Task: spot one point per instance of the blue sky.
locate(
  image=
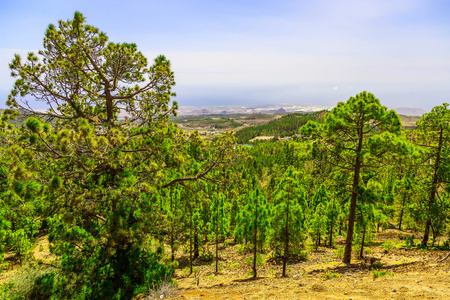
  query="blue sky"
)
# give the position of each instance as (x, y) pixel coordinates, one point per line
(258, 52)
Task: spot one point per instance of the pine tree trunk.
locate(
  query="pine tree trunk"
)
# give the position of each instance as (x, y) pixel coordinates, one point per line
(255, 240)
(190, 242)
(352, 214)
(172, 244)
(217, 254)
(401, 212)
(362, 243)
(351, 221)
(254, 256)
(426, 234)
(196, 251)
(286, 246)
(317, 242)
(435, 235)
(434, 184)
(331, 234)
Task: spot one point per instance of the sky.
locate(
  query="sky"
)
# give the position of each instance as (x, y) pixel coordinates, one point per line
(246, 52)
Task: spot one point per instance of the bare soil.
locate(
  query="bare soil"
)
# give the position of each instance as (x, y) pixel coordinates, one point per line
(410, 274)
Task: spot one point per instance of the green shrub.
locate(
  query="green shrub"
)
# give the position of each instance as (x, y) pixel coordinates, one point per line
(377, 265)
(303, 255)
(21, 283)
(377, 274)
(388, 245)
(402, 236)
(339, 252)
(259, 260)
(207, 256)
(446, 244)
(331, 275)
(409, 241)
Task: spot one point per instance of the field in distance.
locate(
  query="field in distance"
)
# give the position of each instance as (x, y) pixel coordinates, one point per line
(210, 125)
(218, 123)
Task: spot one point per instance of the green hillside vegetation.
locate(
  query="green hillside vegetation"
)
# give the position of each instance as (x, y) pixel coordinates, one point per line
(287, 125)
(409, 122)
(207, 121)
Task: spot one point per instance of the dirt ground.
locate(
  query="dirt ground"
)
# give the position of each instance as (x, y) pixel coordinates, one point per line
(410, 274)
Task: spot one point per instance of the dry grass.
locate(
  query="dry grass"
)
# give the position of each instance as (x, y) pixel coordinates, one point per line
(165, 290)
(414, 274)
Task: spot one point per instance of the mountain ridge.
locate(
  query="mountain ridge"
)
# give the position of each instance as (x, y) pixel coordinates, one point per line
(276, 108)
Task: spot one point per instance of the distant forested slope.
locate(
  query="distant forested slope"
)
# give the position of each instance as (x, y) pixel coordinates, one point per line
(285, 126)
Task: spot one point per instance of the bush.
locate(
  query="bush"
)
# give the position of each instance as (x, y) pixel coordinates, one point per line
(377, 265)
(339, 252)
(388, 245)
(117, 279)
(331, 275)
(409, 241)
(446, 245)
(21, 284)
(166, 289)
(259, 260)
(207, 256)
(377, 274)
(303, 255)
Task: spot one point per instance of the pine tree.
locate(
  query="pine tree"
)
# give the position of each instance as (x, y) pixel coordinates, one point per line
(318, 214)
(253, 223)
(288, 230)
(403, 188)
(355, 136)
(219, 222)
(174, 215)
(109, 168)
(434, 137)
(318, 224)
(365, 216)
(333, 211)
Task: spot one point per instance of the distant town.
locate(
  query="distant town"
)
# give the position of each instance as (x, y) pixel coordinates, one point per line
(276, 108)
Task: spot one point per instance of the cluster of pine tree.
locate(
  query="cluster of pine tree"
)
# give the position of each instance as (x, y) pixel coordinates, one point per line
(287, 125)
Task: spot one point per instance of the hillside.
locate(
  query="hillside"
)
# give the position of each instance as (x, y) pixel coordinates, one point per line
(287, 125)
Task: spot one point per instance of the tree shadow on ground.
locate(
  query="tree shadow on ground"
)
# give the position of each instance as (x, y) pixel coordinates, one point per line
(293, 259)
(361, 266)
(183, 262)
(248, 279)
